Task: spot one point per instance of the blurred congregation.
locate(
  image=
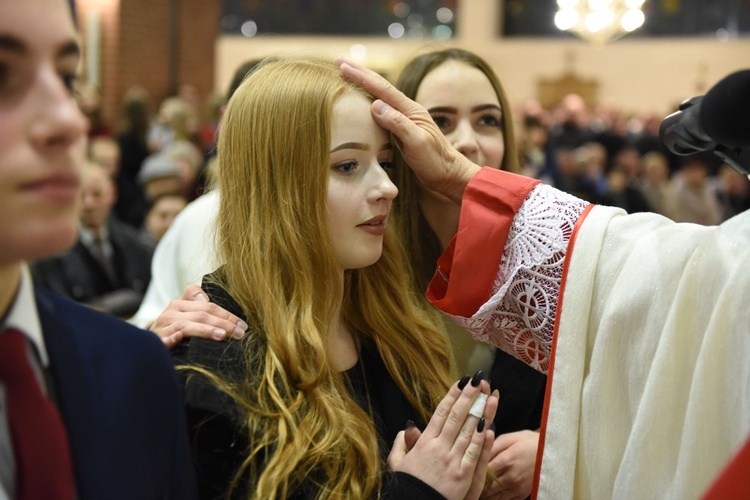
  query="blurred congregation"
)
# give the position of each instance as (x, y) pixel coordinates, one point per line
(151, 142)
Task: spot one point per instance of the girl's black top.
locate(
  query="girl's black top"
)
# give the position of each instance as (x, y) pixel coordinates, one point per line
(218, 442)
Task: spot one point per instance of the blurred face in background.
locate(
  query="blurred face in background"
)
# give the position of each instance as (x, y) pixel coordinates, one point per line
(162, 214)
(105, 152)
(97, 197)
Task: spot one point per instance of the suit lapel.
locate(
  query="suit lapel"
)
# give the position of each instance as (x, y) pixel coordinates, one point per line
(69, 382)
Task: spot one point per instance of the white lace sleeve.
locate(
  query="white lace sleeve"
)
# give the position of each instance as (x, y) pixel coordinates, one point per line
(520, 313)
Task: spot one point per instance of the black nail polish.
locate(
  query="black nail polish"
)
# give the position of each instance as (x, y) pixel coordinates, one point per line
(410, 424)
(478, 377)
(462, 383)
(492, 427)
(480, 425)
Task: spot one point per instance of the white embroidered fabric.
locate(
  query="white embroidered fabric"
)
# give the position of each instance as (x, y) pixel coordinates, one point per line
(520, 313)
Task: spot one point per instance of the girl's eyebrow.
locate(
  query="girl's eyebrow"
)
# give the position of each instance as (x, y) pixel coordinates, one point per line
(360, 146)
(485, 107)
(351, 145)
(448, 109)
(12, 44)
(9, 43)
(442, 109)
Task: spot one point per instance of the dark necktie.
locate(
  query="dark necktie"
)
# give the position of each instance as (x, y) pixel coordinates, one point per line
(105, 261)
(40, 443)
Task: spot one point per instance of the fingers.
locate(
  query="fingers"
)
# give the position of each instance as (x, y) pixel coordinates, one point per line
(454, 408)
(405, 130)
(194, 316)
(513, 461)
(194, 292)
(467, 412)
(480, 472)
(171, 341)
(437, 164)
(377, 86)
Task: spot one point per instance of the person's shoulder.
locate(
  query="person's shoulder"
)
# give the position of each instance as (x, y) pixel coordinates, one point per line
(95, 329)
(203, 207)
(127, 234)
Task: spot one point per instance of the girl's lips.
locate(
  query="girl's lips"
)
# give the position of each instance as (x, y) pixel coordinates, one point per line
(375, 225)
(377, 229)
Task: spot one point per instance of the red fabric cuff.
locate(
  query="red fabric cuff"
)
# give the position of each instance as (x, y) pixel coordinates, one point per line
(489, 204)
(732, 482)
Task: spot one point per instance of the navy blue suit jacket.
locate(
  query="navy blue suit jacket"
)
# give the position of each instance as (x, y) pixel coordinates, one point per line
(117, 391)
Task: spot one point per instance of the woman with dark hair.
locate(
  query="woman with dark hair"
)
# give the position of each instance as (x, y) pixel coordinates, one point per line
(468, 103)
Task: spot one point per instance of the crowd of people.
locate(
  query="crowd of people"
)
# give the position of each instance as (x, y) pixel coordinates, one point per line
(321, 285)
(158, 163)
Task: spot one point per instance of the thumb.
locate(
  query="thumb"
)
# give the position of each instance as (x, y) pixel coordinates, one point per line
(398, 451)
(394, 122)
(411, 435)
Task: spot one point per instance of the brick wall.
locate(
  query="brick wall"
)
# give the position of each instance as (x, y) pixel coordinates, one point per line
(156, 44)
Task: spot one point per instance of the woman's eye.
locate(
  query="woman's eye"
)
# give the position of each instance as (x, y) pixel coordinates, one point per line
(441, 121)
(10, 80)
(490, 121)
(347, 168)
(387, 165)
(69, 80)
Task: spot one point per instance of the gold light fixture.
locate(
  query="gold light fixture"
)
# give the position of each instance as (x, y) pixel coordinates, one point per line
(599, 21)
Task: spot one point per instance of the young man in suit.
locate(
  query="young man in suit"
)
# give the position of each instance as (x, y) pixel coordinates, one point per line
(109, 421)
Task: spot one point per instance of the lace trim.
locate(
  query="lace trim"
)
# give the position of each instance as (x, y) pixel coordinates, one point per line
(520, 313)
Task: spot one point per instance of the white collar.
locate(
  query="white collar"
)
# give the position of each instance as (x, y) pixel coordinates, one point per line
(23, 315)
(87, 236)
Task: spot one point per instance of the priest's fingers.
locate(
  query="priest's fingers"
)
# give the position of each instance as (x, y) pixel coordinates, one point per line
(437, 164)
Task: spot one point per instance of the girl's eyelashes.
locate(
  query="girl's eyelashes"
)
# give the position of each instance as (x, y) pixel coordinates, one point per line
(346, 168)
(441, 121)
(387, 165)
(491, 120)
(10, 79)
(69, 80)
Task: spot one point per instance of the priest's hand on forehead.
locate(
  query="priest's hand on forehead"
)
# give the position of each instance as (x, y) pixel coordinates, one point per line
(437, 164)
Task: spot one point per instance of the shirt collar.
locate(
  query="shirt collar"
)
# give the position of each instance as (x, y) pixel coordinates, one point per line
(87, 236)
(23, 315)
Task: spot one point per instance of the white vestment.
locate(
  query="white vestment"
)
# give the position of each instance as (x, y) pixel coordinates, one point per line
(649, 363)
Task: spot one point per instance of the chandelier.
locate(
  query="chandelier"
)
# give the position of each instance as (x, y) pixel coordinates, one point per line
(599, 21)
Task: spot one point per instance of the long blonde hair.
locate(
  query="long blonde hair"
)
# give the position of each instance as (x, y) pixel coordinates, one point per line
(279, 267)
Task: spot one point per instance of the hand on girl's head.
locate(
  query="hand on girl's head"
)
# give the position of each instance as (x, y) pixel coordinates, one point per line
(426, 150)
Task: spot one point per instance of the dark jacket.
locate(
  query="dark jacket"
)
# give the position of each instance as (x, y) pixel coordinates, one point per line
(121, 404)
(78, 274)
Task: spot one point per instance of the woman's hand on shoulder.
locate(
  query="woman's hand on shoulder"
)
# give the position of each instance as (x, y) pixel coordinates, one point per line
(452, 453)
(193, 315)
